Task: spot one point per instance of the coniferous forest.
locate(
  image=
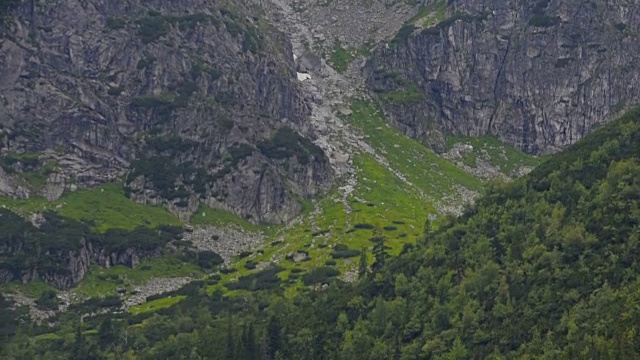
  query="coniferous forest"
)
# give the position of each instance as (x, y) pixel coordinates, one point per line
(545, 267)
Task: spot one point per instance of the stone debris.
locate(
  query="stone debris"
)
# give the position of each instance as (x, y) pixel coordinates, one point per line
(225, 241)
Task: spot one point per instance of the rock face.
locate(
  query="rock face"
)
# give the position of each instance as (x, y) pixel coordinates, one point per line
(538, 74)
(59, 251)
(181, 98)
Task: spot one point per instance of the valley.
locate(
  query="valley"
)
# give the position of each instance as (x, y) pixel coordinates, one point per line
(249, 158)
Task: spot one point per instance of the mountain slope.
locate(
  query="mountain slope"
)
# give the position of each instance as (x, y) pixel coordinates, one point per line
(537, 74)
(544, 267)
(188, 101)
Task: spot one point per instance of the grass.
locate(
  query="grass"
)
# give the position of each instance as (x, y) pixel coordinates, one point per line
(431, 173)
(106, 207)
(33, 288)
(342, 57)
(381, 200)
(157, 304)
(100, 282)
(502, 156)
(430, 15)
(411, 95)
(209, 216)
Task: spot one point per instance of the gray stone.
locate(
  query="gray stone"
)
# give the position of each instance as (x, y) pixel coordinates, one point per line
(308, 62)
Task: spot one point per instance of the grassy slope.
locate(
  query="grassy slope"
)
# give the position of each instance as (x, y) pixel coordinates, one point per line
(396, 208)
(100, 281)
(381, 199)
(105, 206)
(508, 159)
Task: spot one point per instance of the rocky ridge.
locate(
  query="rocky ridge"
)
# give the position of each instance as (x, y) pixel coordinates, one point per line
(540, 75)
(185, 101)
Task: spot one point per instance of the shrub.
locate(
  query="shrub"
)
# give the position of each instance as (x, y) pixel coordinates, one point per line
(287, 143)
(245, 254)
(542, 20)
(390, 228)
(363, 226)
(250, 265)
(145, 62)
(342, 251)
(115, 91)
(403, 34)
(208, 259)
(330, 262)
(48, 300)
(115, 23)
(152, 28)
(263, 280)
(320, 275)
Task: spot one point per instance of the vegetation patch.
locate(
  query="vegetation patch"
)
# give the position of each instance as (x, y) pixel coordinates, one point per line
(264, 280)
(320, 275)
(341, 251)
(286, 143)
(341, 57)
(411, 95)
(156, 305)
(505, 158)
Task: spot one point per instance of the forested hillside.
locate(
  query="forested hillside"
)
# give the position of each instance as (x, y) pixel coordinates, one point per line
(543, 267)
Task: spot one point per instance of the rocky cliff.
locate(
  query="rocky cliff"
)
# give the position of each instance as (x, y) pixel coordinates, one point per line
(538, 74)
(186, 101)
(60, 250)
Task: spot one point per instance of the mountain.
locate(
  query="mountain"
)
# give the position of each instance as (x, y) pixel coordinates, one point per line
(540, 75)
(186, 101)
(543, 267)
(254, 180)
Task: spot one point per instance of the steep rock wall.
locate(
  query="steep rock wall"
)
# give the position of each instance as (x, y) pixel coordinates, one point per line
(173, 96)
(538, 74)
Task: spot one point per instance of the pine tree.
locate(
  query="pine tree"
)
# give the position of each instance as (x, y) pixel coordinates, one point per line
(79, 351)
(380, 254)
(230, 351)
(251, 346)
(273, 337)
(363, 267)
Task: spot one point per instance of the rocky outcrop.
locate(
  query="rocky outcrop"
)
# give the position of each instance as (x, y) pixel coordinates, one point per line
(71, 265)
(538, 74)
(179, 94)
(59, 250)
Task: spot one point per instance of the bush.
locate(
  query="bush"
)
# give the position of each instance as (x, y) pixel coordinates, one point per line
(342, 251)
(363, 226)
(250, 265)
(330, 262)
(209, 259)
(115, 91)
(263, 280)
(144, 63)
(390, 228)
(48, 300)
(319, 233)
(542, 20)
(152, 28)
(245, 254)
(287, 143)
(95, 304)
(403, 34)
(320, 275)
(115, 23)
